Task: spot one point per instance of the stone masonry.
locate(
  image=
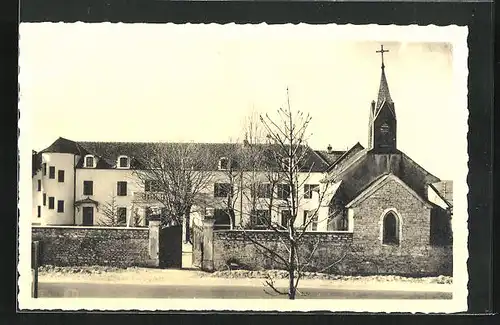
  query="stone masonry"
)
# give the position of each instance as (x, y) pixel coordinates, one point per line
(415, 254)
(238, 247)
(358, 252)
(78, 246)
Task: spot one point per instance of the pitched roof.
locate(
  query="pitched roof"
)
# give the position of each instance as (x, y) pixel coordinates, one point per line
(36, 162)
(362, 168)
(108, 152)
(330, 156)
(379, 183)
(444, 189)
(87, 200)
(346, 158)
(62, 145)
(384, 98)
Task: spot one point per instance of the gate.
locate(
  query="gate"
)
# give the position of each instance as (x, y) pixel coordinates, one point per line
(170, 253)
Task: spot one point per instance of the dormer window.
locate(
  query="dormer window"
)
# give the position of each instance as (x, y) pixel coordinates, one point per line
(123, 162)
(89, 161)
(224, 163)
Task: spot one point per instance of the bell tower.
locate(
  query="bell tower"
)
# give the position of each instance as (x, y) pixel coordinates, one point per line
(382, 122)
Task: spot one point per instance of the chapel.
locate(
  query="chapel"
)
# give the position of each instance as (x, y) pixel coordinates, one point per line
(386, 194)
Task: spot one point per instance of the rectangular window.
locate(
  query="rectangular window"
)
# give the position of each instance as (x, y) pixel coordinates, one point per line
(309, 189)
(223, 218)
(224, 164)
(311, 220)
(122, 216)
(283, 191)
(39, 185)
(60, 206)
(285, 217)
(264, 191)
(147, 213)
(314, 223)
(151, 185)
(39, 213)
(44, 199)
(44, 169)
(123, 162)
(261, 218)
(88, 188)
(337, 219)
(60, 176)
(121, 188)
(89, 162)
(52, 172)
(222, 189)
(51, 202)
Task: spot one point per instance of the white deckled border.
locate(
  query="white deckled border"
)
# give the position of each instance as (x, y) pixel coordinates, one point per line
(455, 35)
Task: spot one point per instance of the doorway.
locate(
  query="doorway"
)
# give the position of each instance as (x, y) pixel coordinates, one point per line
(88, 216)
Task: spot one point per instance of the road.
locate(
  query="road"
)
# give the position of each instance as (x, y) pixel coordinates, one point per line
(99, 290)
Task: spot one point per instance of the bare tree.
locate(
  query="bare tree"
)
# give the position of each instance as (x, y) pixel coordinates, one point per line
(280, 169)
(176, 175)
(243, 171)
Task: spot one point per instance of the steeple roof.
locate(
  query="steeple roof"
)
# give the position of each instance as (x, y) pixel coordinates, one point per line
(383, 92)
(384, 96)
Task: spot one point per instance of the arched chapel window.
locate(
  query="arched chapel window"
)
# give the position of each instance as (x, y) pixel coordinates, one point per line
(391, 229)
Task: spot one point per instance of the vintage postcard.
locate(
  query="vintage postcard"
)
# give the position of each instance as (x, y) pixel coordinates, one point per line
(243, 167)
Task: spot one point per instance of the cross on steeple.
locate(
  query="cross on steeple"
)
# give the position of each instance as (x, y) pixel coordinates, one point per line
(382, 51)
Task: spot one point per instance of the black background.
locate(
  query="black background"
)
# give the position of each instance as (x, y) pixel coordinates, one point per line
(477, 16)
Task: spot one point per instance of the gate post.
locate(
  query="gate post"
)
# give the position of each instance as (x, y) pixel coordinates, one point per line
(35, 261)
(207, 264)
(154, 240)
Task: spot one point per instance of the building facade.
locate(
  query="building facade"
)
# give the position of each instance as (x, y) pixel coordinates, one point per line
(101, 181)
(378, 193)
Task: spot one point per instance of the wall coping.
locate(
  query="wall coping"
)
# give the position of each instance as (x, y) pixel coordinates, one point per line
(272, 231)
(89, 227)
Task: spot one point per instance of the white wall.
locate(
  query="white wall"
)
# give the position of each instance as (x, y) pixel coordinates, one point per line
(36, 198)
(243, 200)
(105, 188)
(433, 197)
(54, 188)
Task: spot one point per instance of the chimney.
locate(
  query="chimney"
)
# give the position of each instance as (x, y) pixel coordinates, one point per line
(329, 148)
(373, 106)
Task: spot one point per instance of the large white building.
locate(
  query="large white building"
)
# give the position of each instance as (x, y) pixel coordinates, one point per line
(76, 183)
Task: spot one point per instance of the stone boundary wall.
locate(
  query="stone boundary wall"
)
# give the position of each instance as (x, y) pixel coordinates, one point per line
(336, 252)
(85, 246)
(236, 246)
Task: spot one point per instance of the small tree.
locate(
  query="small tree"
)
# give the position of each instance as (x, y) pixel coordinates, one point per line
(110, 213)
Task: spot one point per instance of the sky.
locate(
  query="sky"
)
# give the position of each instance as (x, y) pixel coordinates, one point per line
(118, 82)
